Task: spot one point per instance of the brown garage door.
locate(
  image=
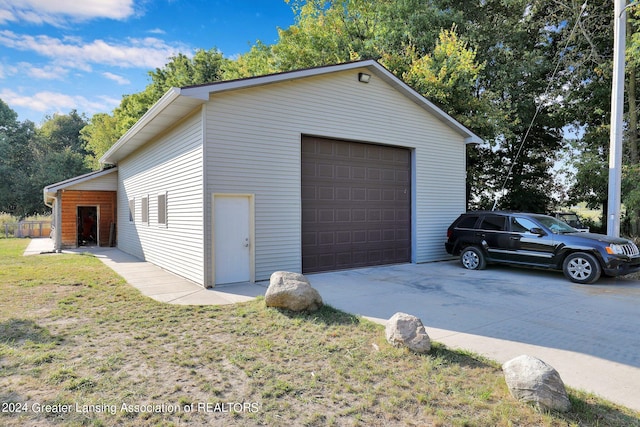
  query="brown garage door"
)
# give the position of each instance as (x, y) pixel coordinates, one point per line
(356, 204)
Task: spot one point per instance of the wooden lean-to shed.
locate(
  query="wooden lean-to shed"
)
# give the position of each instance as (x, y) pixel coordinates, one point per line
(84, 210)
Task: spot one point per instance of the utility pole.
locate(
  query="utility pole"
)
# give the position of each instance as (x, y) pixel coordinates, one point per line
(617, 106)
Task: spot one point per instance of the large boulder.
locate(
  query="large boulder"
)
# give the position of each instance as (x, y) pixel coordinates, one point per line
(292, 291)
(533, 381)
(403, 329)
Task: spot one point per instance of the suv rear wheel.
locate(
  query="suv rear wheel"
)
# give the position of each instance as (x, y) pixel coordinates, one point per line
(581, 267)
(472, 258)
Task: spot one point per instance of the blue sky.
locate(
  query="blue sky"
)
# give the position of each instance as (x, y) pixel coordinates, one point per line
(59, 55)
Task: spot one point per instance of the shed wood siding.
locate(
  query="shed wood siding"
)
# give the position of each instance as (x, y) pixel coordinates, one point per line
(71, 199)
(170, 165)
(254, 147)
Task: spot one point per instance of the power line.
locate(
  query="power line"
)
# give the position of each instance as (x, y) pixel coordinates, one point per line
(539, 107)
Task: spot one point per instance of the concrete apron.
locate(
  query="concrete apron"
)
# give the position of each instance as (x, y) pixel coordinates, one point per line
(502, 313)
(154, 281)
(498, 313)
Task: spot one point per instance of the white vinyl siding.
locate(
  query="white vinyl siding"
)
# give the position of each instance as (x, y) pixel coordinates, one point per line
(171, 164)
(106, 182)
(253, 147)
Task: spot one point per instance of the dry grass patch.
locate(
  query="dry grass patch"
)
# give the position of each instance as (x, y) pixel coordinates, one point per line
(74, 335)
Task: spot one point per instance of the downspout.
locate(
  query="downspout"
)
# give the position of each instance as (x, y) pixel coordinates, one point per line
(58, 220)
(56, 207)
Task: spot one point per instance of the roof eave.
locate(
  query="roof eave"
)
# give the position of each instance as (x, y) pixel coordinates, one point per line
(50, 191)
(390, 78)
(115, 153)
(201, 94)
(204, 91)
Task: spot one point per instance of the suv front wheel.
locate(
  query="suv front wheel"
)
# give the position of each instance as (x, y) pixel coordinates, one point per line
(581, 267)
(472, 258)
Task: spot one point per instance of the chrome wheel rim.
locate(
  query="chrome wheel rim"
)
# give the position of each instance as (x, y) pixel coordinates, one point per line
(470, 260)
(579, 268)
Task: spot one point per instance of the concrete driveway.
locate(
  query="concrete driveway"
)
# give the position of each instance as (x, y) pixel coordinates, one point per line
(589, 333)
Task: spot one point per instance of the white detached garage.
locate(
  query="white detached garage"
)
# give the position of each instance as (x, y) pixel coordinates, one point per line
(305, 171)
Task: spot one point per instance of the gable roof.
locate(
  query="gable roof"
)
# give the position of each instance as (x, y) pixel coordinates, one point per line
(49, 192)
(177, 103)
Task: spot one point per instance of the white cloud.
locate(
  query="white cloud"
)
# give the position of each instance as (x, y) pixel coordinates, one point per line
(55, 102)
(116, 78)
(146, 53)
(58, 12)
(5, 15)
(48, 72)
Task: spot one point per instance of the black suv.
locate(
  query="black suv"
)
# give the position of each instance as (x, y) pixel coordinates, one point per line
(534, 240)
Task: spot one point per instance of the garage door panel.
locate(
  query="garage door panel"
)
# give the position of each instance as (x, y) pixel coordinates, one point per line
(325, 171)
(359, 173)
(388, 176)
(389, 195)
(343, 193)
(388, 215)
(402, 195)
(359, 194)
(309, 238)
(343, 237)
(326, 193)
(355, 204)
(325, 147)
(343, 172)
(343, 215)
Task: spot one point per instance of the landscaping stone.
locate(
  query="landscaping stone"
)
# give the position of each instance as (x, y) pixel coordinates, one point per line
(292, 291)
(533, 381)
(406, 330)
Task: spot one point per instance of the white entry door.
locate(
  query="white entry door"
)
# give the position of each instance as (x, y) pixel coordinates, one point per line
(232, 239)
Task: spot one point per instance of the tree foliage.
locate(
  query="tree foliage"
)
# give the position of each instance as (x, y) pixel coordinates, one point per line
(521, 74)
(448, 76)
(98, 136)
(16, 161)
(31, 158)
(205, 66)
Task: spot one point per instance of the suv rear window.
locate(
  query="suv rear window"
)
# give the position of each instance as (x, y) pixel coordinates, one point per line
(467, 221)
(493, 222)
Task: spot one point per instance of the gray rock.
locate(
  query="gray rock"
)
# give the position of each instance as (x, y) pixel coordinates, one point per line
(403, 329)
(292, 291)
(533, 381)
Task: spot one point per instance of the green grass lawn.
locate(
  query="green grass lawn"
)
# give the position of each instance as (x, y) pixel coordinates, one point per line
(78, 346)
